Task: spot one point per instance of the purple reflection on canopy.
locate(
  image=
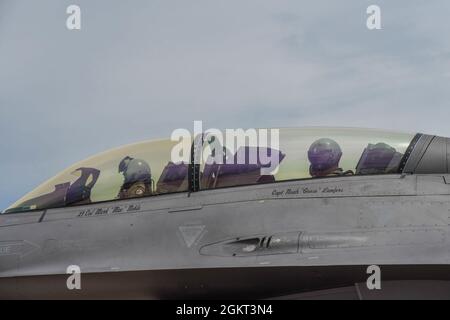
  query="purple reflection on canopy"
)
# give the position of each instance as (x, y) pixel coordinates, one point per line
(174, 172)
(246, 159)
(378, 158)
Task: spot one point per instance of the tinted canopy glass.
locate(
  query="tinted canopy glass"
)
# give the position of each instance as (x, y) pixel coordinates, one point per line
(136, 170)
(147, 169)
(307, 153)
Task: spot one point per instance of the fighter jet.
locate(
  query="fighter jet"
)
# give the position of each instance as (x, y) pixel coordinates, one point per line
(135, 224)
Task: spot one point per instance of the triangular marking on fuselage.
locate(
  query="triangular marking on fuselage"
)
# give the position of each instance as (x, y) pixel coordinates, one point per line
(191, 234)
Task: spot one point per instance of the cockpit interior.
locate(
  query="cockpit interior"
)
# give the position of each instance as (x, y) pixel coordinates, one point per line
(146, 168)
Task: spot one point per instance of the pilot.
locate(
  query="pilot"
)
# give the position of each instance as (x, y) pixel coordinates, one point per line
(137, 178)
(324, 156)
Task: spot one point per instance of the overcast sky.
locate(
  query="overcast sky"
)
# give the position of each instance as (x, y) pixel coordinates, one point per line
(139, 69)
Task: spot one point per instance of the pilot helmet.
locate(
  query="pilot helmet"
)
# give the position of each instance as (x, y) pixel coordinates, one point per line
(124, 164)
(324, 154)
